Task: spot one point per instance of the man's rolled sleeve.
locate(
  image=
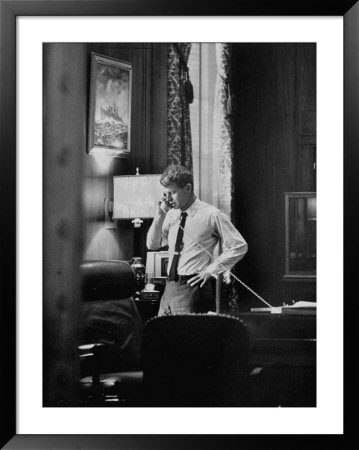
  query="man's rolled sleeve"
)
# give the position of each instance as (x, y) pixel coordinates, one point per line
(234, 247)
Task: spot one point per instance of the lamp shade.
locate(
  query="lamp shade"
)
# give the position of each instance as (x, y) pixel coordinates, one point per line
(136, 196)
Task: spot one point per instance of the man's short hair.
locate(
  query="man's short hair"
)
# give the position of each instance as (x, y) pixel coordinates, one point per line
(178, 175)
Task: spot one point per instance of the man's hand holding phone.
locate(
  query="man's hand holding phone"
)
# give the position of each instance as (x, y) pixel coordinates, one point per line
(164, 205)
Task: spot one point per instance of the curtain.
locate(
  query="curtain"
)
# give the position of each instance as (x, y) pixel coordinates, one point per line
(222, 129)
(211, 117)
(224, 148)
(178, 116)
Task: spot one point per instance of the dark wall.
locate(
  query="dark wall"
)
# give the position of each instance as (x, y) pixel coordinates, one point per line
(104, 240)
(274, 124)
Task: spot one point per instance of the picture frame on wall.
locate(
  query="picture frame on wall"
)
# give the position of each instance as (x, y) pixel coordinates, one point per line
(109, 130)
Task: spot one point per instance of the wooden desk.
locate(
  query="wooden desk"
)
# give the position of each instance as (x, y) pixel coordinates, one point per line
(283, 356)
(281, 326)
(281, 338)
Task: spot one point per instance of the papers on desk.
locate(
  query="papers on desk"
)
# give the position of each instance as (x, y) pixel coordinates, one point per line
(301, 307)
(302, 304)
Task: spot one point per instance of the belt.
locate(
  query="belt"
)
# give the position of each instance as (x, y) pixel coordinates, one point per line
(182, 278)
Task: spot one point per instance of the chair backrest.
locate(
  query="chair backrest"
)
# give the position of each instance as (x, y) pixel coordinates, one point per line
(195, 360)
(104, 280)
(110, 315)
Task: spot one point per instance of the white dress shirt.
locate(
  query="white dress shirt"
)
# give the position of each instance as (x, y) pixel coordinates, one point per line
(205, 227)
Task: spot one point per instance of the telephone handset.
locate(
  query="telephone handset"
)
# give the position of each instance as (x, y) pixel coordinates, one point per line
(166, 204)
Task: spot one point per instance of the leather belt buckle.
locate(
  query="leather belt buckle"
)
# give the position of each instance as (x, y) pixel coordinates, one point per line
(184, 278)
(181, 278)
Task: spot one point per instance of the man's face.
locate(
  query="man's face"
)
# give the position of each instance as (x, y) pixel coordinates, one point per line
(176, 196)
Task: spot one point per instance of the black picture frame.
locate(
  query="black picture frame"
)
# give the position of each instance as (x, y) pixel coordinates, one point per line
(9, 10)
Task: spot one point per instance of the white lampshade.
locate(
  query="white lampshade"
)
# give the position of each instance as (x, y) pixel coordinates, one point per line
(136, 196)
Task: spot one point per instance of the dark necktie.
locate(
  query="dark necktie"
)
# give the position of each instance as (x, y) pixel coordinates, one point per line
(178, 248)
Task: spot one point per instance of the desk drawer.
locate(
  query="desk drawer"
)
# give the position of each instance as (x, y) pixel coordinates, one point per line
(279, 326)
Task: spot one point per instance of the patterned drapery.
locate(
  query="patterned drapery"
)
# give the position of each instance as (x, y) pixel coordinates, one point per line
(179, 142)
(223, 127)
(223, 139)
(211, 113)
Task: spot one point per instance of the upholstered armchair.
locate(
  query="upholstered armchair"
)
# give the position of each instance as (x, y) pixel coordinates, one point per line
(195, 360)
(110, 350)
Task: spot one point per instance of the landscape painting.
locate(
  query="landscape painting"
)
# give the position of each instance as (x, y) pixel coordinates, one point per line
(110, 107)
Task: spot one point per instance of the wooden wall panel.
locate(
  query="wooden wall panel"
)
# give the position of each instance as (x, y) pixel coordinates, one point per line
(274, 116)
(148, 147)
(158, 116)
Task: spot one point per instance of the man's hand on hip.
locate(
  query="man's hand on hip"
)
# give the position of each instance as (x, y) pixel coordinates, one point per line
(200, 277)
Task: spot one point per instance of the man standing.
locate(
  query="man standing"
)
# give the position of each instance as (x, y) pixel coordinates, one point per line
(191, 229)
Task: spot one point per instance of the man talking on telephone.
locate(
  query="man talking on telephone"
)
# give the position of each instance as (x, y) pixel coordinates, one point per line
(191, 229)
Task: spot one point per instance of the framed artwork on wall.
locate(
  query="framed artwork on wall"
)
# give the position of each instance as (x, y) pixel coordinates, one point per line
(110, 107)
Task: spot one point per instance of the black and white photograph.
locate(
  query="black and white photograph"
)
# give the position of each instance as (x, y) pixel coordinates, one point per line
(225, 133)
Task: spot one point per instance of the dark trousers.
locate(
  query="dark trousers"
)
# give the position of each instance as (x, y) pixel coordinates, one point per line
(181, 298)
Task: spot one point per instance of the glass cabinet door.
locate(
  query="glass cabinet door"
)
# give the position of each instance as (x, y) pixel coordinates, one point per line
(301, 221)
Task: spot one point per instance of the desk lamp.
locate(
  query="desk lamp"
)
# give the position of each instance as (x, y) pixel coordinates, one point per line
(136, 198)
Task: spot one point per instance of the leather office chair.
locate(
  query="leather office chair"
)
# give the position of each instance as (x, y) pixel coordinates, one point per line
(195, 360)
(111, 338)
